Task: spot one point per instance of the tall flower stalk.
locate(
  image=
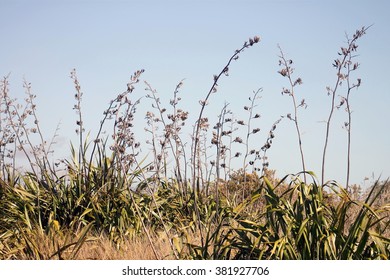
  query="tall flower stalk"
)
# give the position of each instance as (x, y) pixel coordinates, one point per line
(341, 64)
(287, 72)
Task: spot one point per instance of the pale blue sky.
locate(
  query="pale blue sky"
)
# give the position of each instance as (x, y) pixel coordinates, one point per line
(106, 41)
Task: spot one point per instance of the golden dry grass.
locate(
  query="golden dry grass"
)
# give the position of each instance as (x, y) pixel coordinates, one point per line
(98, 248)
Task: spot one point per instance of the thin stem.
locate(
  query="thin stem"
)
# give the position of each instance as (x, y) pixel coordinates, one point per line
(287, 72)
(339, 65)
(248, 134)
(348, 125)
(348, 142)
(204, 103)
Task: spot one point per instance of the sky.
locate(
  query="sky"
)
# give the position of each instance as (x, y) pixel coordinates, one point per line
(106, 41)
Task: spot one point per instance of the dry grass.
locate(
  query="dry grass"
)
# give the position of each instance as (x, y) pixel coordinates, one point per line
(98, 247)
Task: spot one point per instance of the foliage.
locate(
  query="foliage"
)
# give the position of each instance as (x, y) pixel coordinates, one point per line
(190, 197)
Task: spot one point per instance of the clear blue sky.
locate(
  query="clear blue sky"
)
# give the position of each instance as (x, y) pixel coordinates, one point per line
(106, 41)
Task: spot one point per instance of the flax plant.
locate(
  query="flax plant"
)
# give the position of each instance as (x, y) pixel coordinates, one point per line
(80, 125)
(223, 157)
(251, 131)
(171, 138)
(342, 66)
(8, 144)
(201, 121)
(221, 151)
(299, 222)
(351, 66)
(267, 145)
(287, 71)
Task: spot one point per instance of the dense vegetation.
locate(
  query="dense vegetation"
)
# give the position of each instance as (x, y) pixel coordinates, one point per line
(183, 203)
